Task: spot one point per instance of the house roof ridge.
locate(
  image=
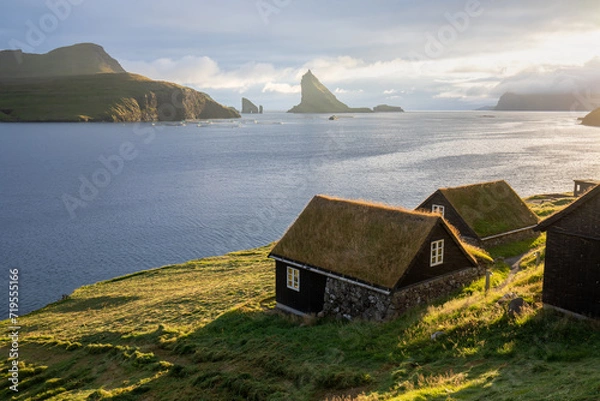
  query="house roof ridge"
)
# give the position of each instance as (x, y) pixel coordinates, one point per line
(543, 225)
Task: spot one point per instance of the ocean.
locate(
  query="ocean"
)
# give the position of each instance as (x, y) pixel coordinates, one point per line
(81, 203)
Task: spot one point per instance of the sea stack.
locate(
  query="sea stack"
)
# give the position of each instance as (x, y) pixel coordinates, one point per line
(316, 98)
(248, 107)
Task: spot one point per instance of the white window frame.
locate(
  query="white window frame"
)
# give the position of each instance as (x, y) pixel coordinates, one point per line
(438, 209)
(437, 253)
(293, 278)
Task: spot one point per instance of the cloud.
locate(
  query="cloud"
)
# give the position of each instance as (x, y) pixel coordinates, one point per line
(553, 79)
(205, 73)
(463, 80)
(281, 88)
(343, 91)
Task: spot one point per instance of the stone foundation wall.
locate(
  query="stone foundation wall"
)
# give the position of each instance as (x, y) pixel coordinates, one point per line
(350, 301)
(424, 293)
(520, 236)
(347, 300)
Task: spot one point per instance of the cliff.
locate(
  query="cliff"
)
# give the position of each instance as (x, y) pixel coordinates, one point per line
(592, 119)
(540, 102)
(316, 98)
(83, 83)
(384, 108)
(79, 59)
(248, 107)
(104, 97)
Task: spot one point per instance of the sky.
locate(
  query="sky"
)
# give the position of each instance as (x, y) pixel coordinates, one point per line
(421, 55)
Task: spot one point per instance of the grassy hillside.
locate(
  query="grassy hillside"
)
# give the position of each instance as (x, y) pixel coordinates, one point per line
(206, 330)
(79, 59)
(104, 97)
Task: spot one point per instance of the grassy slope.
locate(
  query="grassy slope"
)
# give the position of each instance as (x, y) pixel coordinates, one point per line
(206, 330)
(103, 97)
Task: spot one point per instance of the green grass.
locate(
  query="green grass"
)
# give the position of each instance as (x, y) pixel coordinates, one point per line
(517, 248)
(546, 205)
(206, 330)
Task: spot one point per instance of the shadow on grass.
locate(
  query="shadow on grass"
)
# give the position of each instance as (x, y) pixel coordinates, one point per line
(506, 360)
(253, 354)
(97, 303)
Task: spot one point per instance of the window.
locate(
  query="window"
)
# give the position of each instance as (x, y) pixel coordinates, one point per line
(437, 252)
(293, 279)
(438, 209)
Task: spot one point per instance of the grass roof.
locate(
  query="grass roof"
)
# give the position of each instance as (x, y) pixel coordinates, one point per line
(490, 208)
(371, 242)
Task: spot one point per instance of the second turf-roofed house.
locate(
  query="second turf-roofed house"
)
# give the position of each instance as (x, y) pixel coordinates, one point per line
(487, 214)
(361, 260)
(572, 266)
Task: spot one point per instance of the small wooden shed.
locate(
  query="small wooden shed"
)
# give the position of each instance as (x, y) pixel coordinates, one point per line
(486, 214)
(356, 259)
(572, 268)
(582, 186)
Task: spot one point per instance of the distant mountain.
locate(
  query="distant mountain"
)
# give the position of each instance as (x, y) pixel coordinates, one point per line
(83, 83)
(540, 102)
(384, 108)
(316, 98)
(592, 119)
(79, 59)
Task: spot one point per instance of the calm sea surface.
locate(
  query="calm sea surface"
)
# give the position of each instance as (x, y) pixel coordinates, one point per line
(81, 203)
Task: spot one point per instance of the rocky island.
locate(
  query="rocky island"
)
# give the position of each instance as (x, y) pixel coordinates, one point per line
(84, 83)
(384, 108)
(316, 98)
(250, 108)
(540, 102)
(592, 119)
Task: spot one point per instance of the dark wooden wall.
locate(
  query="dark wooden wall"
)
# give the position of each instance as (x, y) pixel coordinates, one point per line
(420, 269)
(572, 273)
(450, 214)
(583, 187)
(584, 220)
(309, 299)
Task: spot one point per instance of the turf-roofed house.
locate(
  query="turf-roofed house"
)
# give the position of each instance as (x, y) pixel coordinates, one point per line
(582, 186)
(485, 214)
(355, 259)
(572, 267)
